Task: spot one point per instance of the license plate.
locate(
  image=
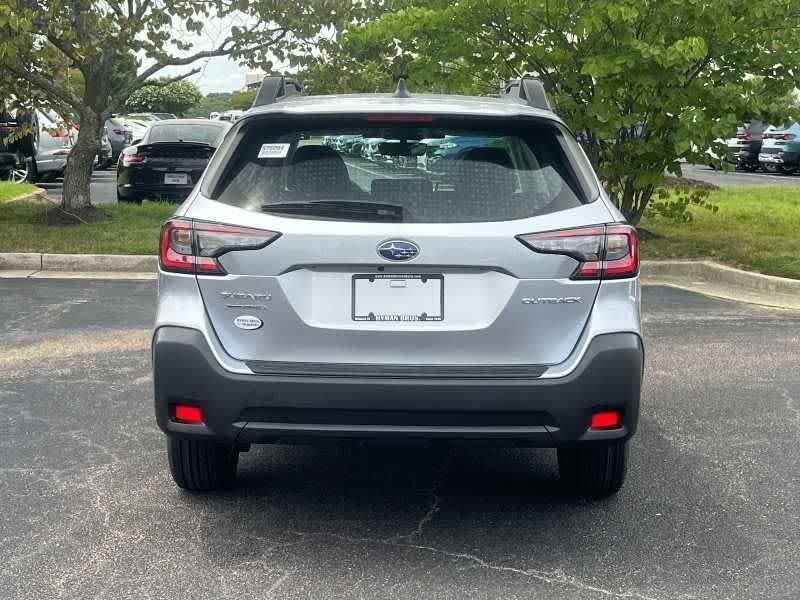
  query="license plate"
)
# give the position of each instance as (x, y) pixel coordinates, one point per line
(176, 178)
(398, 297)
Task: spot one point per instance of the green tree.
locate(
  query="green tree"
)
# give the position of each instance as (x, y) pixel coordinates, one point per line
(242, 100)
(41, 42)
(646, 83)
(164, 95)
(213, 102)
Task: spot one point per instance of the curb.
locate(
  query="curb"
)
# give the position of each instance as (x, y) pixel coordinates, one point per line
(111, 263)
(714, 279)
(38, 197)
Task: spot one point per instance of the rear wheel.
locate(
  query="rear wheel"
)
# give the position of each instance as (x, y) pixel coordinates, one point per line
(594, 471)
(132, 199)
(24, 171)
(787, 170)
(202, 465)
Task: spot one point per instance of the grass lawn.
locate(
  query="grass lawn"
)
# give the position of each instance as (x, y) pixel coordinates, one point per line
(757, 228)
(129, 229)
(9, 191)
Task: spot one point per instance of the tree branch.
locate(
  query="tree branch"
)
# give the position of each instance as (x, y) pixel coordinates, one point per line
(47, 86)
(168, 80)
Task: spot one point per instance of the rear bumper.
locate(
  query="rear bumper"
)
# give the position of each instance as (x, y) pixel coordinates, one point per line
(290, 407)
(138, 191)
(788, 159)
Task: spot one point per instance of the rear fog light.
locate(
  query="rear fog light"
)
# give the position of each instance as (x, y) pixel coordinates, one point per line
(607, 419)
(185, 413)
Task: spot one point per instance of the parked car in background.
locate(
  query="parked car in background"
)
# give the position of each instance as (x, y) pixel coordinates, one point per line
(371, 147)
(143, 117)
(780, 151)
(214, 116)
(741, 146)
(104, 159)
(134, 129)
(39, 155)
(118, 136)
(169, 159)
(231, 116)
(164, 116)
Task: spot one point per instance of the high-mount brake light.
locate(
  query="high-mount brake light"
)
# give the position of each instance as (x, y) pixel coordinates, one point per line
(195, 247)
(399, 118)
(604, 251)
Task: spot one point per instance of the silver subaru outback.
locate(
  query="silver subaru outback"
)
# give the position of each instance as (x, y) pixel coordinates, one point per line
(398, 266)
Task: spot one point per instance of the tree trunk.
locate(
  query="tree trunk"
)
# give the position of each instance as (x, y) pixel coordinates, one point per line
(78, 174)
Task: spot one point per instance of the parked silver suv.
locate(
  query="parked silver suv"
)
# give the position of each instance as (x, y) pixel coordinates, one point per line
(308, 294)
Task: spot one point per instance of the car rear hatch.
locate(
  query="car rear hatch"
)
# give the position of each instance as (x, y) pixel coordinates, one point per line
(403, 275)
(172, 163)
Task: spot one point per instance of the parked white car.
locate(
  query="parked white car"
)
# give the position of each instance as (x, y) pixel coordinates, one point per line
(40, 155)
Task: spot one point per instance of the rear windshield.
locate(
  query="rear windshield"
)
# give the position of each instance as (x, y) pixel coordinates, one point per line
(204, 134)
(437, 172)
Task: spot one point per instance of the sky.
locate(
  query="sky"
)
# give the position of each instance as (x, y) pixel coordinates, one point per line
(219, 74)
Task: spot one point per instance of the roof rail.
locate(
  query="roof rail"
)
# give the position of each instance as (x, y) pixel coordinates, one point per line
(275, 87)
(527, 90)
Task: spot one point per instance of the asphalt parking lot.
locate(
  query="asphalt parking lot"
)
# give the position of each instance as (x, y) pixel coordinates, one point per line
(737, 178)
(103, 187)
(711, 508)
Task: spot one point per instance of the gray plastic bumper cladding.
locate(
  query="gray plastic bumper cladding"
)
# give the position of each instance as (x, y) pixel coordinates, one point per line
(298, 406)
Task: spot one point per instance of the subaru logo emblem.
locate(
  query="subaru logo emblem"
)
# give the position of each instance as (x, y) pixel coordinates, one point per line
(398, 250)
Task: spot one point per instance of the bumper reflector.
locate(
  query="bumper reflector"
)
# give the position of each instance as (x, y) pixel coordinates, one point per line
(188, 414)
(605, 420)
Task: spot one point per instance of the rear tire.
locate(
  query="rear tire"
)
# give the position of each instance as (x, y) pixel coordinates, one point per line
(128, 199)
(201, 465)
(594, 471)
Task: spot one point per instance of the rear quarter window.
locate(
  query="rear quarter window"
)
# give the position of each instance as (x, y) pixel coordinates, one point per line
(447, 171)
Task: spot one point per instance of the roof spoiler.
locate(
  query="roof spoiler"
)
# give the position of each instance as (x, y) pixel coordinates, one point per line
(276, 87)
(529, 91)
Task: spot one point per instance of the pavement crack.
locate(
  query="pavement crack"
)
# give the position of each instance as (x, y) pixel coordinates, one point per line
(790, 406)
(555, 577)
(425, 520)
(270, 592)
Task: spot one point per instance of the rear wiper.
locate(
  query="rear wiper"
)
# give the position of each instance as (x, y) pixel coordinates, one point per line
(339, 209)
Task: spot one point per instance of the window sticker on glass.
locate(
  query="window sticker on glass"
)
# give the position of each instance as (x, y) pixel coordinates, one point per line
(274, 151)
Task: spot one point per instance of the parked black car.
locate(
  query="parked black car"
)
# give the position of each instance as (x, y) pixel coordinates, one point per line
(747, 159)
(169, 160)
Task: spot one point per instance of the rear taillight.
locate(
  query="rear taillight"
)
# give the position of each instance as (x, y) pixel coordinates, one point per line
(789, 136)
(604, 252)
(195, 247)
(131, 156)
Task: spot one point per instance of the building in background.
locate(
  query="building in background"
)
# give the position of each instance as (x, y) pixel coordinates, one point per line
(253, 79)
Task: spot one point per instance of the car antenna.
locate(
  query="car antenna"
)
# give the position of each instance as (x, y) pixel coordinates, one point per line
(402, 90)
